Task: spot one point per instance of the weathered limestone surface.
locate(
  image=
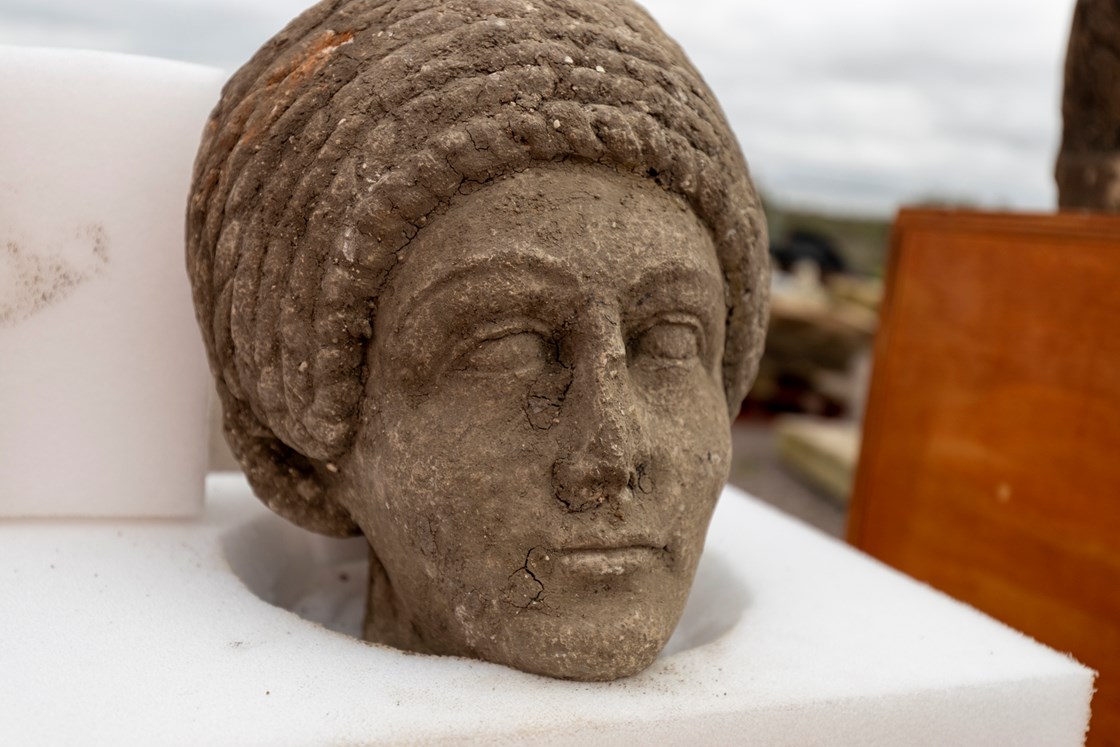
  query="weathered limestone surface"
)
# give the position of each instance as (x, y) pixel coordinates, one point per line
(485, 282)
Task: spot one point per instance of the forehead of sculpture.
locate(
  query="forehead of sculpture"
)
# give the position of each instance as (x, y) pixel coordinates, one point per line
(572, 226)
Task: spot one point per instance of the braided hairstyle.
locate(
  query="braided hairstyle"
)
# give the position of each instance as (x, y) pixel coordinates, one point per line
(334, 145)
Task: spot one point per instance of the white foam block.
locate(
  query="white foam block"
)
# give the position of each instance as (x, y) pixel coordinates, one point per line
(103, 381)
(142, 632)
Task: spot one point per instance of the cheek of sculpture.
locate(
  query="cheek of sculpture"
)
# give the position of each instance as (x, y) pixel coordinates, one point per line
(544, 434)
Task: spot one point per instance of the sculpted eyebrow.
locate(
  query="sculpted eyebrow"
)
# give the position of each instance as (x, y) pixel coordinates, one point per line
(521, 264)
(673, 273)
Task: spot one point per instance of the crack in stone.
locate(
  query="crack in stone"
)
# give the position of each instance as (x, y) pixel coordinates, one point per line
(546, 396)
(536, 601)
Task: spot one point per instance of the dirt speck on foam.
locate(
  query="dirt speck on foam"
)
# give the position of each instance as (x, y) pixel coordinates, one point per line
(31, 281)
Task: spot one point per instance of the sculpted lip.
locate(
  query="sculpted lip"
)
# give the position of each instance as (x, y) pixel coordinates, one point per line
(609, 561)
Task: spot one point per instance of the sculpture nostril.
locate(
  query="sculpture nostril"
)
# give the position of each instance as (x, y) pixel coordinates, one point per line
(639, 480)
(578, 501)
(584, 487)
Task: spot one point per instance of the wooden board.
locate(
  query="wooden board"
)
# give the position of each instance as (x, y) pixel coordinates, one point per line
(990, 462)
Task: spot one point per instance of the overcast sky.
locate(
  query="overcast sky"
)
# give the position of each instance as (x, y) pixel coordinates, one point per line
(855, 106)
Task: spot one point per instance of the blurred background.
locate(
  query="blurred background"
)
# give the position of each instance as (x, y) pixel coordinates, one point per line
(845, 111)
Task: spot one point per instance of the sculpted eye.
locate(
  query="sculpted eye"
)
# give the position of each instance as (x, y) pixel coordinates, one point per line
(519, 351)
(669, 341)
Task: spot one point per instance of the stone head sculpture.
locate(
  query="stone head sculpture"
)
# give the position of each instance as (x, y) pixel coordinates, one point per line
(484, 280)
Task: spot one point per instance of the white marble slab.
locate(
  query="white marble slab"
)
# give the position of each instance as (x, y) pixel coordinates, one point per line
(141, 632)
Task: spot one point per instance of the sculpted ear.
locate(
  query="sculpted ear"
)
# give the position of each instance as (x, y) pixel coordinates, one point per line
(289, 483)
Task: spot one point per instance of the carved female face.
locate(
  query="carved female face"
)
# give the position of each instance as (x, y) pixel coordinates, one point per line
(544, 432)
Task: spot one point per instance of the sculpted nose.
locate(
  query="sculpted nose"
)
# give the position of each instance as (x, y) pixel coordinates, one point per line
(599, 418)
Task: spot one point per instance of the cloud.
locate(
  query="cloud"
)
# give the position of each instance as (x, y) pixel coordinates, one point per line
(861, 105)
(867, 104)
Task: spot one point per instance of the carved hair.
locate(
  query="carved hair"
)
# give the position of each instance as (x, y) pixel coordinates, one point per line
(333, 146)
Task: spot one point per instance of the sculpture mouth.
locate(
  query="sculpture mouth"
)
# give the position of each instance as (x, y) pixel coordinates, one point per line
(609, 561)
